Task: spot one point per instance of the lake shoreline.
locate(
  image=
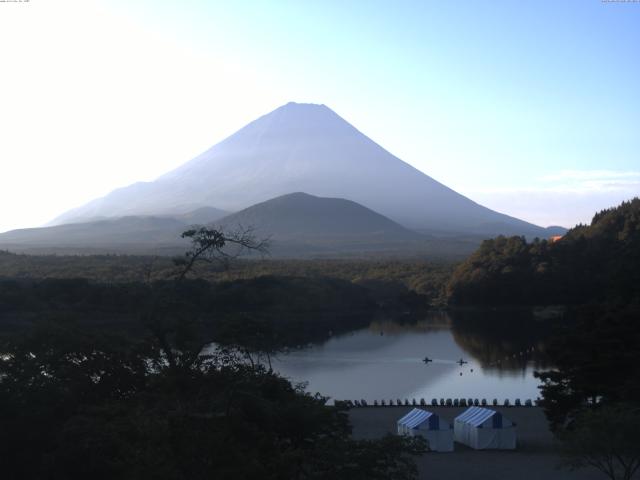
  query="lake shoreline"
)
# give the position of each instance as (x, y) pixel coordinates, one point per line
(385, 362)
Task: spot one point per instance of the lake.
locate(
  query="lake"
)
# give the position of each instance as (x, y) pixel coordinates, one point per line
(385, 360)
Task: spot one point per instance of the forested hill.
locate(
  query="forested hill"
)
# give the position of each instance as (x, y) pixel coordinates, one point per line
(591, 263)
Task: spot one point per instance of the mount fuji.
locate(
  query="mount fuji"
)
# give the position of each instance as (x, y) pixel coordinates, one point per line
(304, 148)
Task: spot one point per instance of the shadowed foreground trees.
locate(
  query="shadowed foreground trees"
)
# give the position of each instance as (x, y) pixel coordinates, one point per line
(596, 355)
(74, 404)
(592, 397)
(606, 439)
(78, 403)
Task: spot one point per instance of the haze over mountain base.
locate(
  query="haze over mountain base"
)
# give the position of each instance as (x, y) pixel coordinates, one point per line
(377, 202)
(297, 225)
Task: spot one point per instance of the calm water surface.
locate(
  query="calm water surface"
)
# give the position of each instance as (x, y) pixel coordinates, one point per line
(384, 361)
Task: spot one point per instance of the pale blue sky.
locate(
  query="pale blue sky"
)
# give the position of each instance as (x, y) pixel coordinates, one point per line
(529, 107)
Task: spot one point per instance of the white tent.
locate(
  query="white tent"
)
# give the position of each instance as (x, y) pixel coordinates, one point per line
(430, 426)
(482, 428)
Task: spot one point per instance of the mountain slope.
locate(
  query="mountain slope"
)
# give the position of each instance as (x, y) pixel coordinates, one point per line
(304, 147)
(200, 216)
(303, 216)
(128, 234)
(303, 225)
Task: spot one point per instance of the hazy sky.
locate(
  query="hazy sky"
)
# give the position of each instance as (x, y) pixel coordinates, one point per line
(529, 107)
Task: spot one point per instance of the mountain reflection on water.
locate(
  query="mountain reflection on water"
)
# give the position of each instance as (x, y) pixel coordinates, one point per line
(385, 360)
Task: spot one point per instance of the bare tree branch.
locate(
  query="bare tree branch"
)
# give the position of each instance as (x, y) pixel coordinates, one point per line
(216, 245)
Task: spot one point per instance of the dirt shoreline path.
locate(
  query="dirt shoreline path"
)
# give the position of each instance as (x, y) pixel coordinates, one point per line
(536, 457)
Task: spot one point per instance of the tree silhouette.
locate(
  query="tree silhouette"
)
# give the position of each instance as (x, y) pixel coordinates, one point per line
(216, 245)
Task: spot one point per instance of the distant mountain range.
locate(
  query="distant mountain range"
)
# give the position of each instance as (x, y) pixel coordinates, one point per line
(304, 148)
(297, 225)
(357, 198)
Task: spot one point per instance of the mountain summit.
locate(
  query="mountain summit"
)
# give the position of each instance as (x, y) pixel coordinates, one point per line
(304, 147)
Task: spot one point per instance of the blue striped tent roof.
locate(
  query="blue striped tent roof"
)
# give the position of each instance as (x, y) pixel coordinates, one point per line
(476, 416)
(417, 417)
